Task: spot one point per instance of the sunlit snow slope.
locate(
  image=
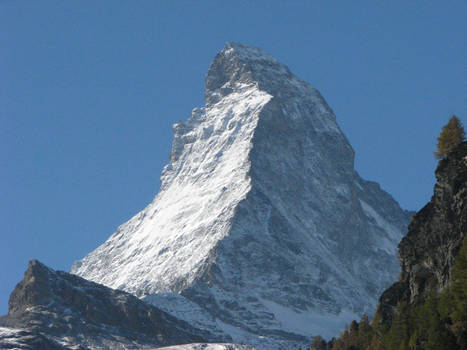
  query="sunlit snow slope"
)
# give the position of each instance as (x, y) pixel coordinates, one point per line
(261, 221)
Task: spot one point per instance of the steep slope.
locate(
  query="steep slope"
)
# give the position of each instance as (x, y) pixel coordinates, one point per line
(261, 224)
(426, 308)
(427, 256)
(435, 236)
(55, 310)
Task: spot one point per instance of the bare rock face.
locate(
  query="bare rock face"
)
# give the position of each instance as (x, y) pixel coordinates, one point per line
(56, 310)
(427, 252)
(262, 232)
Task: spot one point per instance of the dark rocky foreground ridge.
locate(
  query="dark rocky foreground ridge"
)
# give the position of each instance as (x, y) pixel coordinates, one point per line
(55, 310)
(427, 308)
(427, 253)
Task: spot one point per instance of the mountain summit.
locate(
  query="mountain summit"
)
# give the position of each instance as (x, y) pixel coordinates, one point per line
(262, 231)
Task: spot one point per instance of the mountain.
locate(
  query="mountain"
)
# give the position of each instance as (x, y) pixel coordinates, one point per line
(55, 310)
(426, 308)
(262, 232)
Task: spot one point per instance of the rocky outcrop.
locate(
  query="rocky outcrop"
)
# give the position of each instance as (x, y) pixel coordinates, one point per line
(55, 310)
(428, 251)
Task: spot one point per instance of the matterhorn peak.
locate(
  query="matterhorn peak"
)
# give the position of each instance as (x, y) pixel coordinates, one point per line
(262, 231)
(238, 66)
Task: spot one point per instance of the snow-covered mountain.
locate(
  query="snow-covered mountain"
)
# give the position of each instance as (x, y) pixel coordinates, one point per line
(262, 231)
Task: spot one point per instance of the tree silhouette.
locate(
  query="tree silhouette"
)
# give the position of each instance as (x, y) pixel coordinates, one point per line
(318, 343)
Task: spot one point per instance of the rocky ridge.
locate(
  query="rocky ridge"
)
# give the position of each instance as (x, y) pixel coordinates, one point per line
(427, 253)
(56, 310)
(426, 308)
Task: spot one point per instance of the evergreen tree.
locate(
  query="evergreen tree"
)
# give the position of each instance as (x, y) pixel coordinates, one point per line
(343, 342)
(318, 343)
(353, 333)
(365, 332)
(451, 135)
(456, 297)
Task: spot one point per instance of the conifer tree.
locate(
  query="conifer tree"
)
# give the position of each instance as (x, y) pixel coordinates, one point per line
(318, 343)
(451, 135)
(365, 332)
(458, 295)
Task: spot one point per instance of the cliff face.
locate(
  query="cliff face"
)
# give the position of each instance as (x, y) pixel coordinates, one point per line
(427, 308)
(428, 251)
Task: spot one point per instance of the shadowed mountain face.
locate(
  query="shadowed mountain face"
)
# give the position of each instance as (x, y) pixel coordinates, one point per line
(262, 231)
(56, 310)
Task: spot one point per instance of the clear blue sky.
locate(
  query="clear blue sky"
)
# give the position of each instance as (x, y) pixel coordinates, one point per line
(89, 91)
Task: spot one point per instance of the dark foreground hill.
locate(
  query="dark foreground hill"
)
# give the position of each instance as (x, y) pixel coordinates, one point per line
(427, 307)
(55, 310)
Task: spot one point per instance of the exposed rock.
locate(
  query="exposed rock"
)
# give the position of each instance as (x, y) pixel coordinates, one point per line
(427, 252)
(56, 310)
(22, 339)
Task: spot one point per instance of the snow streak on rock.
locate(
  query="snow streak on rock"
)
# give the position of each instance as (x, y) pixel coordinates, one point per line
(261, 220)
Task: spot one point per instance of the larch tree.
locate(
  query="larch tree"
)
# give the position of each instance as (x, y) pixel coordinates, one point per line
(451, 135)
